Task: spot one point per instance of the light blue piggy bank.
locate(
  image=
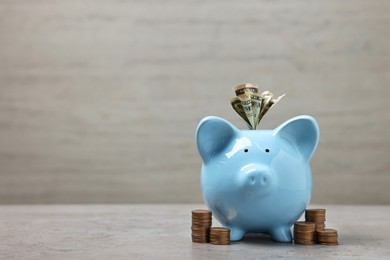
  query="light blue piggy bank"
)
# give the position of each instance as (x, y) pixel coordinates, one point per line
(257, 181)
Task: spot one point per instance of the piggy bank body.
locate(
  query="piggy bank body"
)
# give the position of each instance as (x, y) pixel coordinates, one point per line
(257, 181)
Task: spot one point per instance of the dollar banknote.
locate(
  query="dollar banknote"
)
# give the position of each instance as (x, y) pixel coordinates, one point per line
(269, 101)
(245, 88)
(246, 103)
(237, 106)
(256, 101)
(251, 105)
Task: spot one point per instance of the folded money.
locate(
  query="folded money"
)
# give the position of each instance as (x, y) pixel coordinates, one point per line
(250, 105)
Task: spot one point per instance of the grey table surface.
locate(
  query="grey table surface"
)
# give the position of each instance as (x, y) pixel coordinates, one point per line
(150, 231)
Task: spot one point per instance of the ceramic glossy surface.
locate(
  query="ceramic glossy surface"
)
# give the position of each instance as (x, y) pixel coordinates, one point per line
(257, 180)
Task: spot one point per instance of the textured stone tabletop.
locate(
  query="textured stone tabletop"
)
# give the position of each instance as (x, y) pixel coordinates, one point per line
(163, 232)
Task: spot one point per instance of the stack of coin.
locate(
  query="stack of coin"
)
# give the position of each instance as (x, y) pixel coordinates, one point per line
(327, 237)
(201, 223)
(304, 233)
(219, 236)
(317, 216)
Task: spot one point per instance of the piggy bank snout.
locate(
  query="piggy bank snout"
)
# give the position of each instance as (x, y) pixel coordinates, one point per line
(257, 180)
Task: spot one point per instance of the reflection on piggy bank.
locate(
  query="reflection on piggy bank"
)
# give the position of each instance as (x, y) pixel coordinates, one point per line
(257, 181)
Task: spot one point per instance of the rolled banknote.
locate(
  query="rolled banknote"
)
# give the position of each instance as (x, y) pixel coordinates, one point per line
(243, 88)
(237, 106)
(267, 96)
(251, 105)
(256, 101)
(269, 101)
(246, 103)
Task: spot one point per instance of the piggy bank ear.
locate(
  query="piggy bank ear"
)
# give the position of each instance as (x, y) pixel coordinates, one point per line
(301, 131)
(212, 136)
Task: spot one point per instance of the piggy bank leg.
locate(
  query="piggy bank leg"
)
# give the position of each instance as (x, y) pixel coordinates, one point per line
(236, 234)
(281, 234)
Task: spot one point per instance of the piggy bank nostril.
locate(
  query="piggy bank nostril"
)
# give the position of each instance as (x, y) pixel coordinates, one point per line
(258, 178)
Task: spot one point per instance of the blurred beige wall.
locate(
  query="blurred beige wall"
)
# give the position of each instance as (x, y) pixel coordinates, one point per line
(99, 100)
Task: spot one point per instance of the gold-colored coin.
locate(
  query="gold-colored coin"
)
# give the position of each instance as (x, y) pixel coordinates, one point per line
(200, 227)
(320, 225)
(220, 236)
(304, 226)
(219, 230)
(304, 242)
(327, 237)
(313, 229)
(315, 215)
(201, 212)
(304, 233)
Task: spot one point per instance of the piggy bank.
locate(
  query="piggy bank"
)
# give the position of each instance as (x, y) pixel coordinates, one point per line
(257, 181)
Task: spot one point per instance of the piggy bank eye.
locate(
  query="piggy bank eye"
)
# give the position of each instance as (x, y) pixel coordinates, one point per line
(267, 150)
(246, 150)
